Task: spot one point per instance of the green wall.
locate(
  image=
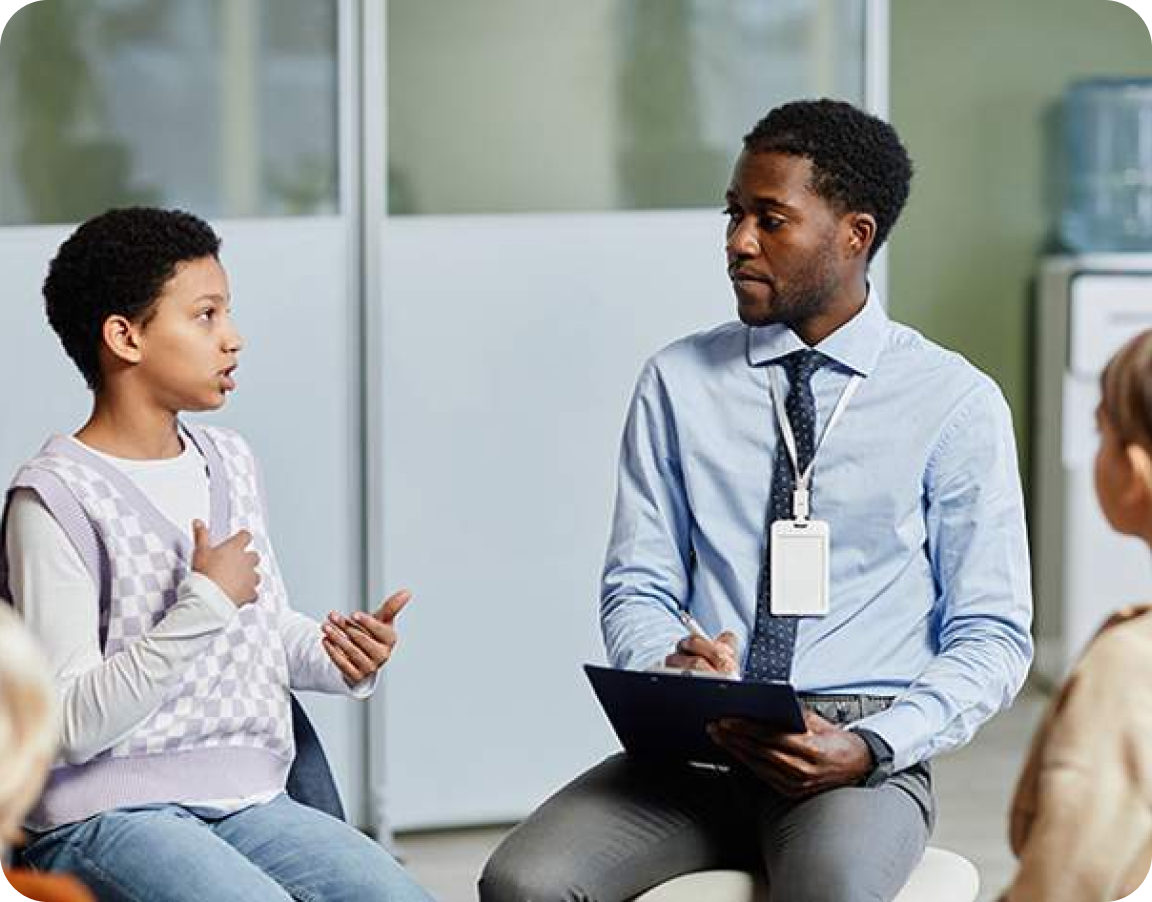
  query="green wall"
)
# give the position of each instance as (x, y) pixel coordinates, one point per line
(973, 89)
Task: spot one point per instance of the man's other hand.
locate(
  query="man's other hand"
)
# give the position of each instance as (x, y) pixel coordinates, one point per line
(796, 765)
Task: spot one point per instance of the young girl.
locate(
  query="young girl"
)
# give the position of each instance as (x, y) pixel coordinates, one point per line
(1082, 817)
(137, 551)
(28, 727)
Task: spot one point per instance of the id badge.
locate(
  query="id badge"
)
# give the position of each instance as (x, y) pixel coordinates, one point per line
(799, 583)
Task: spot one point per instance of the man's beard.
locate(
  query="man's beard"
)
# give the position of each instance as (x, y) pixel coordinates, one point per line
(809, 294)
(801, 304)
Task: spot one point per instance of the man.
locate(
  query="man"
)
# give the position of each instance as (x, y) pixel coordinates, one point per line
(913, 474)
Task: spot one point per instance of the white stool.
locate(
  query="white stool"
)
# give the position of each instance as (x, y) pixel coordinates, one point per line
(940, 877)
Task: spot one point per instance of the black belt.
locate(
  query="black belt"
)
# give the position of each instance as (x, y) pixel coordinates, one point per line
(842, 709)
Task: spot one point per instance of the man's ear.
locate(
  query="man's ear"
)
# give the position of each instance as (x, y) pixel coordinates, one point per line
(122, 338)
(861, 233)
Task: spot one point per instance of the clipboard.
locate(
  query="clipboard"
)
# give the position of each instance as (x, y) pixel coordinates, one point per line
(665, 716)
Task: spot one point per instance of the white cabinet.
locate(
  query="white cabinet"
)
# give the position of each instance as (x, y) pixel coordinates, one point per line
(1088, 306)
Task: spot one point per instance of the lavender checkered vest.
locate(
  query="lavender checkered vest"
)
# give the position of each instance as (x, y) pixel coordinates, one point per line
(224, 730)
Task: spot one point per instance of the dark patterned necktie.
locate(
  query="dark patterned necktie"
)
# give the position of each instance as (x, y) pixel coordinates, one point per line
(774, 638)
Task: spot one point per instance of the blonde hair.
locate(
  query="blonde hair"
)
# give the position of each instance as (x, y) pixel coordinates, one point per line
(28, 723)
(1126, 391)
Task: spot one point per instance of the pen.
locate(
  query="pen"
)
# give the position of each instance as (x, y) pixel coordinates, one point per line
(697, 630)
(691, 625)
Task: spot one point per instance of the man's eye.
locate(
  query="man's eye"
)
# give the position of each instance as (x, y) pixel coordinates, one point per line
(771, 223)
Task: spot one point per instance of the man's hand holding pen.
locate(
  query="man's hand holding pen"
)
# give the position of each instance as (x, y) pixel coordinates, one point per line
(698, 652)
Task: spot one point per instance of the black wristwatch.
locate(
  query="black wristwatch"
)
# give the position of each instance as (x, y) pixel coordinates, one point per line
(882, 757)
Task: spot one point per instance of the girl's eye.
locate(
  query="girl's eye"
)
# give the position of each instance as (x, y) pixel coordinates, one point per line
(206, 314)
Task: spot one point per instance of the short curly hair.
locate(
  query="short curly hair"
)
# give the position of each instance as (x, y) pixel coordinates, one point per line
(859, 164)
(117, 264)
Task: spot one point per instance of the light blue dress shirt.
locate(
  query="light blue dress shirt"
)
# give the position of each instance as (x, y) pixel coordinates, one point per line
(930, 597)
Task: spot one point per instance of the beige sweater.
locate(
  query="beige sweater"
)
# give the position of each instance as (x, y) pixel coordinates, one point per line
(1082, 816)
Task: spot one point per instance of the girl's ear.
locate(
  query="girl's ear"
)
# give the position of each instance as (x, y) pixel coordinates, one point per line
(1139, 489)
(122, 338)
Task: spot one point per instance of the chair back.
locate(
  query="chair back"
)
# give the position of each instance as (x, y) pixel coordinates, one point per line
(310, 781)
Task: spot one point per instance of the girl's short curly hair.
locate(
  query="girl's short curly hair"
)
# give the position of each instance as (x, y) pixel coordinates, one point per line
(117, 264)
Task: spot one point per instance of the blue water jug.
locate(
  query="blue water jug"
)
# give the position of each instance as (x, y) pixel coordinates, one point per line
(1108, 165)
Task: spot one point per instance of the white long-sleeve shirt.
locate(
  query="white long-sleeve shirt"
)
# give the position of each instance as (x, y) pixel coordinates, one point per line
(105, 699)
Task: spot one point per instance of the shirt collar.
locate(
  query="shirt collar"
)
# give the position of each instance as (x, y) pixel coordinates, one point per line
(857, 344)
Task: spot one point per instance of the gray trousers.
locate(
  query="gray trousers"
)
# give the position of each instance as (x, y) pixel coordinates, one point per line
(628, 825)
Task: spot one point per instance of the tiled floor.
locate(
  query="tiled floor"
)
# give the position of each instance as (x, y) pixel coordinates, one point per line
(974, 787)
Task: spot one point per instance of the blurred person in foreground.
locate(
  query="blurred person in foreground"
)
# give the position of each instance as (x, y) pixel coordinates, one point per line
(1081, 822)
(28, 734)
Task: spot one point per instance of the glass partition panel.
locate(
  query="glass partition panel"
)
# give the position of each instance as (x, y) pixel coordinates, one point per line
(552, 106)
(225, 107)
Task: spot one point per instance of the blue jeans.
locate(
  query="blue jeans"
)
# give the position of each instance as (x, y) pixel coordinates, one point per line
(274, 852)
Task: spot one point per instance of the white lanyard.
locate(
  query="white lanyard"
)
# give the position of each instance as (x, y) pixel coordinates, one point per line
(800, 495)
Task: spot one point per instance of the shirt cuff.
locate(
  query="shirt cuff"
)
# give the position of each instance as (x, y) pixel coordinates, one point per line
(365, 688)
(648, 654)
(214, 600)
(899, 726)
